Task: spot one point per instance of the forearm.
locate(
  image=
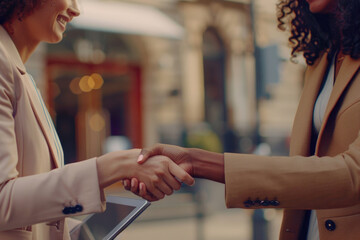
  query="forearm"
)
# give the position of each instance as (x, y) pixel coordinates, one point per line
(115, 166)
(208, 165)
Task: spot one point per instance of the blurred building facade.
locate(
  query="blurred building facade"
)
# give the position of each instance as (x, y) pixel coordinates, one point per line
(151, 84)
(276, 112)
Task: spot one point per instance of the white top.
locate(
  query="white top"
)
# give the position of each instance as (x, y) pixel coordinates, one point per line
(323, 99)
(319, 112)
(59, 150)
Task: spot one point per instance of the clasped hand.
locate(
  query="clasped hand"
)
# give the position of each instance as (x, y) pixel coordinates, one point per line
(180, 167)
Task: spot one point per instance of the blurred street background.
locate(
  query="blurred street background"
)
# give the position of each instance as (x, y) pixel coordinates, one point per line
(213, 74)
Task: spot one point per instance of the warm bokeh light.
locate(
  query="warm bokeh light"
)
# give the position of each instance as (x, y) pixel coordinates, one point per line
(98, 80)
(74, 86)
(86, 83)
(96, 122)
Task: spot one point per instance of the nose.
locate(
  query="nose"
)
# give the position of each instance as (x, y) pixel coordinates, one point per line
(74, 8)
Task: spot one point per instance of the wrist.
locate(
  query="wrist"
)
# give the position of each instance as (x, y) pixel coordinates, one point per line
(206, 164)
(115, 166)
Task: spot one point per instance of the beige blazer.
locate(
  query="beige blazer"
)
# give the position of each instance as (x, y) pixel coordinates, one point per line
(34, 192)
(328, 181)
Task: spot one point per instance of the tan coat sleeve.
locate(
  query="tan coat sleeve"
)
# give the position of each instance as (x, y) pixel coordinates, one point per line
(293, 182)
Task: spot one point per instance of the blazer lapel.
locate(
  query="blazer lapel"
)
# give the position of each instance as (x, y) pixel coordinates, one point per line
(302, 127)
(30, 88)
(346, 73)
(39, 112)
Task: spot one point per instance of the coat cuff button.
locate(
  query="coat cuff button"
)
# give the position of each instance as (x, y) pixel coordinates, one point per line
(79, 208)
(275, 203)
(265, 203)
(72, 210)
(257, 203)
(330, 225)
(248, 203)
(66, 210)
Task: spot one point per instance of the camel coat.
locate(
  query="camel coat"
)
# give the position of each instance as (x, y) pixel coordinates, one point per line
(35, 194)
(329, 181)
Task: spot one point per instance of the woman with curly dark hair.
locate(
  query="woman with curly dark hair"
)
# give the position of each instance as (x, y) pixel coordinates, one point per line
(313, 34)
(36, 191)
(318, 185)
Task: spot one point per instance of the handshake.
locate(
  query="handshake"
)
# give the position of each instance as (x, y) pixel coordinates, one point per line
(172, 166)
(159, 170)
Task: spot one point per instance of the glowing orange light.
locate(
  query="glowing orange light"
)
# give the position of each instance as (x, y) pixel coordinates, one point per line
(98, 80)
(74, 86)
(84, 84)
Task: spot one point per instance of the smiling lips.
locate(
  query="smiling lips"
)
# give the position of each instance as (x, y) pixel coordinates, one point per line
(62, 20)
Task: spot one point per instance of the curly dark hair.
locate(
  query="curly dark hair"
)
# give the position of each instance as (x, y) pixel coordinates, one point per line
(8, 9)
(312, 33)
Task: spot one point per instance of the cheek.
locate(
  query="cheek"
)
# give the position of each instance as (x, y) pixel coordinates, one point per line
(55, 6)
(60, 5)
(322, 6)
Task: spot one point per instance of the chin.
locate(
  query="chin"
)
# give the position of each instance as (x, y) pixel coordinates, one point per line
(56, 39)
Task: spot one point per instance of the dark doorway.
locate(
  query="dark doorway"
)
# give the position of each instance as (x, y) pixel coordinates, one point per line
(119, 100)
(214, 58)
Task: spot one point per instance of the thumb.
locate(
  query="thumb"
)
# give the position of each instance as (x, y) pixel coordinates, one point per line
(146, 153)
(181, 174)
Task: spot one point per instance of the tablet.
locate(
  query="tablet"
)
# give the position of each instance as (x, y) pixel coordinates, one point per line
(120, 212)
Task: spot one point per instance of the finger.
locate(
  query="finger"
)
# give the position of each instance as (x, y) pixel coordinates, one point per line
(126, 183)
(143, 156)
(148, 197)
(146, 153)
(142, 189)
(134, 185)
(181, 174)
(172, 182)
(164, 187)
(144, 194)
(141, 159)
(155, 192)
